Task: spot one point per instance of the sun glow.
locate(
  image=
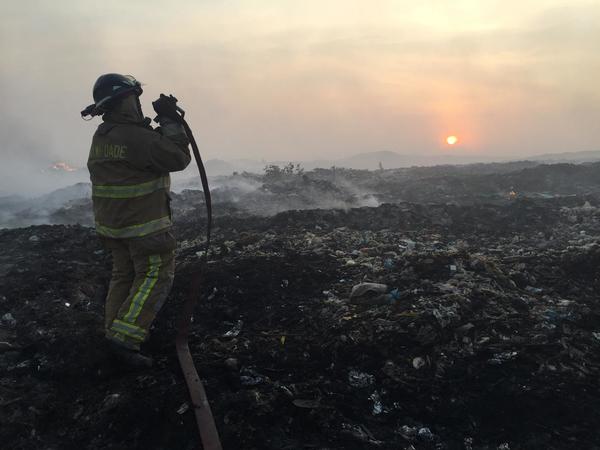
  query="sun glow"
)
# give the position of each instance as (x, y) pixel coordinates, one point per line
(451, 140)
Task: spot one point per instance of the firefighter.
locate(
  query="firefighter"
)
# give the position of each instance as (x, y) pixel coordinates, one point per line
(129, 164)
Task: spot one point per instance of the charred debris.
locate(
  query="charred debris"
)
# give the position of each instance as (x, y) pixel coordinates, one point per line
(425, 308)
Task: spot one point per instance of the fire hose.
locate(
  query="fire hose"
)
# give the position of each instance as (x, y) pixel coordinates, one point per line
(204, 418)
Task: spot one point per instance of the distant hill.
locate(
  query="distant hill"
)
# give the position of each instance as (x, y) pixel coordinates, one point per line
(394, 160)
(61, 196)
(372, 160)
(574, 157)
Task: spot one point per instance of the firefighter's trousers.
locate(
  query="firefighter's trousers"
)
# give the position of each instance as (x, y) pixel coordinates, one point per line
(142, 276)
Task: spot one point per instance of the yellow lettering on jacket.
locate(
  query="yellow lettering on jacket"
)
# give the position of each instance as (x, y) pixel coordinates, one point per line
(108, 151)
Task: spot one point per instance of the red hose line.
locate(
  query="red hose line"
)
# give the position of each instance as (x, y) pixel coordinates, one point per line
(204, 418)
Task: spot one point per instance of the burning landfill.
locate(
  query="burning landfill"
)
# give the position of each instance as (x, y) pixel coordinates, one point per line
(445, 307)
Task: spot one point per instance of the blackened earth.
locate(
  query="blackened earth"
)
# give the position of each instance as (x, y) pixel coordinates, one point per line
(488, 337)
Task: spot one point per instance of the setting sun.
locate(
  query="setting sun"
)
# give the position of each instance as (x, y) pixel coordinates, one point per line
(451, 140)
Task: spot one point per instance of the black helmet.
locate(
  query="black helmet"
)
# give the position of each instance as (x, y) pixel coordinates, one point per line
(113, 86)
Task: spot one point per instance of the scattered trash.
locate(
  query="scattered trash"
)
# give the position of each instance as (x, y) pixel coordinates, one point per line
(7, 346)
(464, 329)
(534, 290)
(183, 408)
(369, 293)
(408, 433)
(501, 358)
(425, 434)
(360, 379)
(377, 405)
(213, 294)
(235, 331)
(407, 244)
(250, 377)
(411, 434)
(308, 404)
(8, 320)
(394, 295)
(419, 362)
(363, 289)
(360, 433)
(446, 315)
(111, 402)
(231, 363)
(468, 443)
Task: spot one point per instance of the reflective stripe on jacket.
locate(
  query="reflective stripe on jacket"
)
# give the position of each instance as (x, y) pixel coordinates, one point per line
(129, 166)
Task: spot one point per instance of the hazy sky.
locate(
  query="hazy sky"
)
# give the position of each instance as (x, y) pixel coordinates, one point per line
(308, 79)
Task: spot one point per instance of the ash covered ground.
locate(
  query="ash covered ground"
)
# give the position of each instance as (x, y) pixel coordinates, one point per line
(424, 308)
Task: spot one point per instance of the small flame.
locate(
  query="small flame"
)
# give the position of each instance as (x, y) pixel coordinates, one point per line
(63, 166)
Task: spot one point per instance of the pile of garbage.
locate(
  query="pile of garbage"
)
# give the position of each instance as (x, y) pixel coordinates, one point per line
(403, 326)
(291, 188)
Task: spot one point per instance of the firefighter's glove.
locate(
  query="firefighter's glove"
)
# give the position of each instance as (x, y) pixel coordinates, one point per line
(169, 127)
(166, 107)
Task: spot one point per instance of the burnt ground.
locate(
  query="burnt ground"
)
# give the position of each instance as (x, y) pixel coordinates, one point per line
(487, 335)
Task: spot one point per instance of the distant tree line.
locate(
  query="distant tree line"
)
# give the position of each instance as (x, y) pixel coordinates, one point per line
(273, 172)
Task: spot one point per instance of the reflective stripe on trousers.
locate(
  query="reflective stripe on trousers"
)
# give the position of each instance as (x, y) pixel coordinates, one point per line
(132, 331)
(127, 325)
(137, 303)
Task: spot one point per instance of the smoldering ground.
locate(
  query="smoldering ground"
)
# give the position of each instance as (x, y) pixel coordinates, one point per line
(483, 333)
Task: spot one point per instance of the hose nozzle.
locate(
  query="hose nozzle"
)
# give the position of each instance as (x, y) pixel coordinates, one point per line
(91, 111)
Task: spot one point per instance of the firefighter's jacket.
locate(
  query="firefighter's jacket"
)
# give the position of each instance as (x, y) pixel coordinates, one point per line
(129, 166)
